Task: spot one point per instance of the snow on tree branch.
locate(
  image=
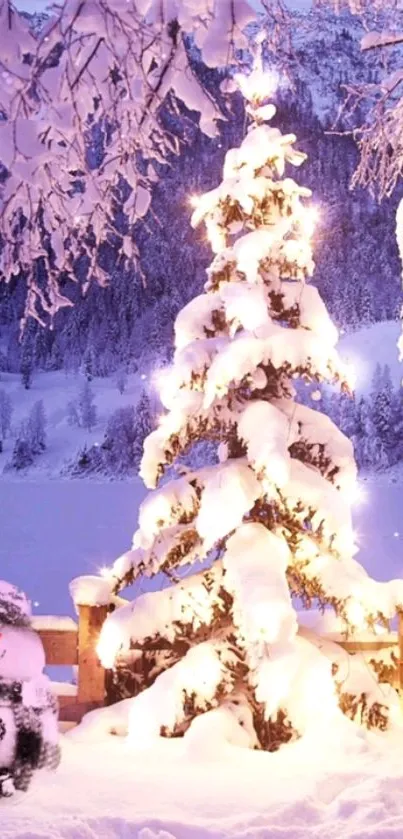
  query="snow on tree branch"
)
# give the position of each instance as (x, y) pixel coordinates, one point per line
(81, 133)
(272, 515)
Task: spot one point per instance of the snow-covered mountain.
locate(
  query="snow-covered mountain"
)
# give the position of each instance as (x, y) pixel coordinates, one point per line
(324, 56)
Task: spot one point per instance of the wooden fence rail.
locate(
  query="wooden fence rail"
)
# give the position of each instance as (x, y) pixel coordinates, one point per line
(74, 644)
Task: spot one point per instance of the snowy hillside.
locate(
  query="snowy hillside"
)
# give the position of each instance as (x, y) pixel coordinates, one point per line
(371, 345)
(319, 34)
(63, 440)
(363, 348)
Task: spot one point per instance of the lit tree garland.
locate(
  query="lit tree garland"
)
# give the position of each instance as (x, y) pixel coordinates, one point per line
(272, 516)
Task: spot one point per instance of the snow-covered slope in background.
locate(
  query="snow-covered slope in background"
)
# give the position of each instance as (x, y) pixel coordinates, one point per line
(57, 389)
(370, 345)
(363, 348)
(327, 55)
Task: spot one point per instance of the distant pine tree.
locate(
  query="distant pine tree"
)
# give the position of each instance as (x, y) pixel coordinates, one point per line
(382, 402)
(143, 423)
(6, 412)
(31, 440)
(86, 408)
(36, 428)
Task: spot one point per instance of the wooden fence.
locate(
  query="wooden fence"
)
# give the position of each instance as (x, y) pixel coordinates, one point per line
(74, 644)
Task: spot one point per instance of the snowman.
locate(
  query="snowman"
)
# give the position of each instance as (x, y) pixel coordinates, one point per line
(28, 709)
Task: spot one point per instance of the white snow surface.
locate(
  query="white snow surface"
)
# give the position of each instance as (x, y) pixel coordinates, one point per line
(256, 561)
(336, 786)
(156, 613)
(91, 590)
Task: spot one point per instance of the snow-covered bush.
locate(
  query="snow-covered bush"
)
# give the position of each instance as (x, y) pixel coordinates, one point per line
(272, 517)
(121, 380)
(31, 439)
(121, 449)
(36, 428)
(86, 408)
(82, 411)
(22, 456)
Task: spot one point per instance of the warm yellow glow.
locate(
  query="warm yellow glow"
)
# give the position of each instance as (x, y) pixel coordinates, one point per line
(355, 494)
(259, 86)
(308, 220)
(356, 614)
(109, 644)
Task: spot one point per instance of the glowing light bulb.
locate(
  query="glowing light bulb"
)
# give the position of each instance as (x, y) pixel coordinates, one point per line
(109, 644)
(316, 396)
(308, 220)
(259, 85)
(356, 614)
(355, 494)
(160, 379)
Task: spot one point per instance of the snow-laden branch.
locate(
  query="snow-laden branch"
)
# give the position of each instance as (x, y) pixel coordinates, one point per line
(80, 128)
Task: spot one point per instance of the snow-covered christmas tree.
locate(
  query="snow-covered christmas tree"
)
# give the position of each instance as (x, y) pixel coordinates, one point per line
(271, 519)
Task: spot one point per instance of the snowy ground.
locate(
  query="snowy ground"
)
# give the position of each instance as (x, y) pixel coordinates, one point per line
(321, 789)
(50, 531)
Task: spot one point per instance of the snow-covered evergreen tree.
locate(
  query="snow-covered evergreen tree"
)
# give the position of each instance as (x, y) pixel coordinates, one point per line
(121, 380)
(31, 439)
(6, 412)
(382, 402)
(272, 517)
(73, 416)
(28, 355)
(36, 428)
(86, 408)
(143, 424)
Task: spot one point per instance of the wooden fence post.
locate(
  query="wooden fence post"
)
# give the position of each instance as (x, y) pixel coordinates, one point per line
(91, 674)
